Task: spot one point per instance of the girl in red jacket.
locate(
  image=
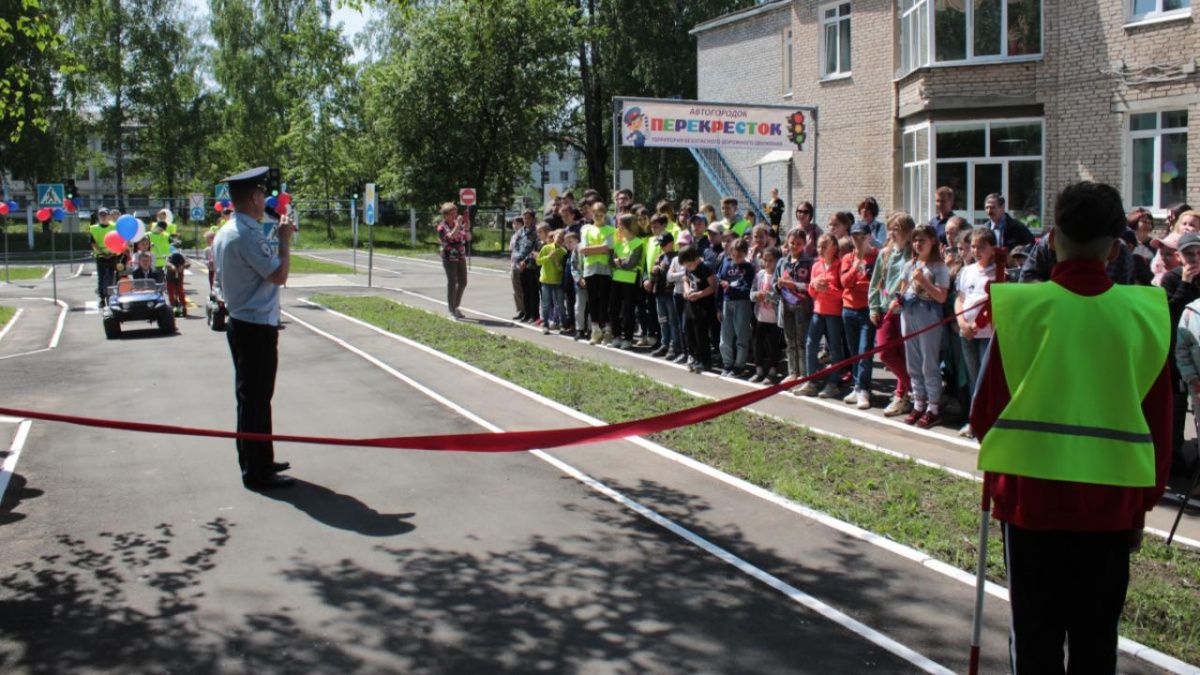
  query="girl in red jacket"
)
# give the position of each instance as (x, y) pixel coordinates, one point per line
(826, 291)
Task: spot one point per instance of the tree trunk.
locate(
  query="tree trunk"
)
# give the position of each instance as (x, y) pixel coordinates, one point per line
(595, 150)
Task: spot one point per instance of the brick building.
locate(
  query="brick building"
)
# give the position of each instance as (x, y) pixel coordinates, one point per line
(1019, 97)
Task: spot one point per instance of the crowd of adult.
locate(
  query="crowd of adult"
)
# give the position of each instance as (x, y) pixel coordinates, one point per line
(732, 293)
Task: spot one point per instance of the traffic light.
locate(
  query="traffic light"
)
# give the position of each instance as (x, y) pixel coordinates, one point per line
(796, 133)
(274, 182)
(70, 189)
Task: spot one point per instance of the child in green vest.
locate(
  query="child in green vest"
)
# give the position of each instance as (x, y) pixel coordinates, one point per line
(628, 250)
(550, 259)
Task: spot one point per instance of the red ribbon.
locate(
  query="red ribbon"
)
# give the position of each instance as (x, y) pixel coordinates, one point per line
(510, 441)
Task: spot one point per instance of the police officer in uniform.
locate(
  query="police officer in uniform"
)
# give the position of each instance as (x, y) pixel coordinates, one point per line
(106, 260)
(250, 273)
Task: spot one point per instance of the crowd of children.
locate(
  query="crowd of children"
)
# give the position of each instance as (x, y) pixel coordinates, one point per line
(742, 298)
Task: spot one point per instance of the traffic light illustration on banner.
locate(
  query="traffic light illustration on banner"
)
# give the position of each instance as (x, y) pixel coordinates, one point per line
(796, 133)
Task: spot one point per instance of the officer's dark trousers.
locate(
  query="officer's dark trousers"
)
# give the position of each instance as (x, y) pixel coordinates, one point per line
(1065, 587)
(106, 273)
(255, 350)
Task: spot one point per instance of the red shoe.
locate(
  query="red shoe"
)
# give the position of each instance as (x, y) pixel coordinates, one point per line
(929, 419)
(914, 416)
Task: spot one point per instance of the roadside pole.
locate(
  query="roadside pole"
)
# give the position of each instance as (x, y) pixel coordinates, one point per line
(4, 221)
(53, 264)
(370, 252)
(354, 231)
(370, 208)
(412, 226)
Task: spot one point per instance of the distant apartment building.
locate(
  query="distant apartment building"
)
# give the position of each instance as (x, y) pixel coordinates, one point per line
(1018, 97)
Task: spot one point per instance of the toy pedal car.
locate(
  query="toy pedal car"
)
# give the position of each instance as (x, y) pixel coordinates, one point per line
(137, 300)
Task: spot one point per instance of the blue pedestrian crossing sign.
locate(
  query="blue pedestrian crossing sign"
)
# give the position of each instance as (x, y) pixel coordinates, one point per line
(370, 215)
(222, 192)
(370, 204)
(50, 194)
(197, 213)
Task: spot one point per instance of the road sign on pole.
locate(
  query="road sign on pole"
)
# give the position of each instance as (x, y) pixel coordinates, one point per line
(370, 204)
(197, 213)
(222, 192)
(466, 196)
(196, 200)
(50, 194)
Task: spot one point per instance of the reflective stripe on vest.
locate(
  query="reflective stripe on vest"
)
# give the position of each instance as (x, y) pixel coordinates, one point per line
(622, 250)
(1075, 412)
(594, 235)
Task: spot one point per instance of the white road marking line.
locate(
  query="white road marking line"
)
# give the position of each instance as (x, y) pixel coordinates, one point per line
(5, 419)
(77, 272)
(11, 322)
(1128, 646)
(49, 271)
(91, 307)
(14, 453)
(58, 327)
(793, 593)
(30, 353)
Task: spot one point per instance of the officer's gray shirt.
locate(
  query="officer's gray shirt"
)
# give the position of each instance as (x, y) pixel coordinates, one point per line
(245, 259)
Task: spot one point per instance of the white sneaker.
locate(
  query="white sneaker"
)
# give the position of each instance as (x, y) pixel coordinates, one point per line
(863, 399)
(545, 329)
(852, 397)
(615, 343)
(597, 337)
(898, 406)
(831, 390)
(967, 431)
(810, 388)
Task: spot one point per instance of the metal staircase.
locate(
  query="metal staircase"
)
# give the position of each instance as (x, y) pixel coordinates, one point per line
(725, 179)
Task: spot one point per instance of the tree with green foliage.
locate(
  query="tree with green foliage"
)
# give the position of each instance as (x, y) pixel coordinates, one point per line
(469, 93)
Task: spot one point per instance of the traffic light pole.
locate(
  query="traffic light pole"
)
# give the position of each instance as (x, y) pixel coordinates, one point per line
(354, 230)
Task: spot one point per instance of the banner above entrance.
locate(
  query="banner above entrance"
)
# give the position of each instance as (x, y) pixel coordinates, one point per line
(690, 124)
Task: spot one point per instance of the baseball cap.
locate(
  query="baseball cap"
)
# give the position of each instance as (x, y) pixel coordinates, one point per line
(700, 217)
(1021, 251)
(1170, 241)
(860, 228)
(1188, 240)
(716, 228)
(686, 239)
(666, 238)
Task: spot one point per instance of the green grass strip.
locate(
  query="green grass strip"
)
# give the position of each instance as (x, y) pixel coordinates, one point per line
(6, 315)
(301, 264)
(24, 273)
(922, 507)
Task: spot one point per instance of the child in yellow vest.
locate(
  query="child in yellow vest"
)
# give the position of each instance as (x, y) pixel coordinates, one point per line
(550, 259)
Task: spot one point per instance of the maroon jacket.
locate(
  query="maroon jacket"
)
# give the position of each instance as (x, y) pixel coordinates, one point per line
(1040, 504)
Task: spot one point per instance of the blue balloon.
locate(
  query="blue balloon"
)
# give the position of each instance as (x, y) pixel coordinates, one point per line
(272, 202)
(127, 226)
(59, 214)
(13, 205)
(226, 203)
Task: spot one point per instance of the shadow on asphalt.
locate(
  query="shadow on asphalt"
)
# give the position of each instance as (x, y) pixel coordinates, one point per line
(612, 593)
(341, 511)
(18, 491)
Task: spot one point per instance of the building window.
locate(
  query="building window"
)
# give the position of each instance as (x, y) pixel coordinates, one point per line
(976, 159)
(915, 156)
(914, 52)
(967, 31)
(787, 62)
(564, 176)
(1142, 10)
(835, 40)
(1158, 159)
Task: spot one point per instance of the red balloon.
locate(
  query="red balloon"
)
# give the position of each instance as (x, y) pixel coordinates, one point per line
(282, 203)
(44, 214)
(69, 205)
(3, 208)
(218, 207)
(114, 242)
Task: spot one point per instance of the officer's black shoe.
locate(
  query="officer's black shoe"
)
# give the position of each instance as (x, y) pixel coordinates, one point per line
(267, 482)
(280, 467)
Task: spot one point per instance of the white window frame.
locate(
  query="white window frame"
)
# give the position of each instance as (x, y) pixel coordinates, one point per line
(922, 169)
(920, 53)
(1155, 15)
(823, 23)
(788, 58)
(1156, 133)
(929, 59)
(965, 205)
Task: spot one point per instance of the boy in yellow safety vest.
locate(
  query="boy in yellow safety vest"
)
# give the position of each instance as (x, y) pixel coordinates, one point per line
(1074, 454)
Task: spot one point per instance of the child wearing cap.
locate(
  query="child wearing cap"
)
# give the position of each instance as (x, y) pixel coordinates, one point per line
(664, 298)
(176, 264)
(699, 290)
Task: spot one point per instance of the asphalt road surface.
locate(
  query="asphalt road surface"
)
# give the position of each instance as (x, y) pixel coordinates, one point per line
(143, 553)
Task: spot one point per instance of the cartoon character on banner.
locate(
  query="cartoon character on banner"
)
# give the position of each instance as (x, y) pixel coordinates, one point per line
(635, 121)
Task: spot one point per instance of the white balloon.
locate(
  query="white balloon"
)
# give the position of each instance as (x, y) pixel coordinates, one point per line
(141, 232)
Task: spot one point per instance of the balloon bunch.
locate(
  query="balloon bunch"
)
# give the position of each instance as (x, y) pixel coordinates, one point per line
(46, 213)
(129, 228)
(280, 203)
(221, 205)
